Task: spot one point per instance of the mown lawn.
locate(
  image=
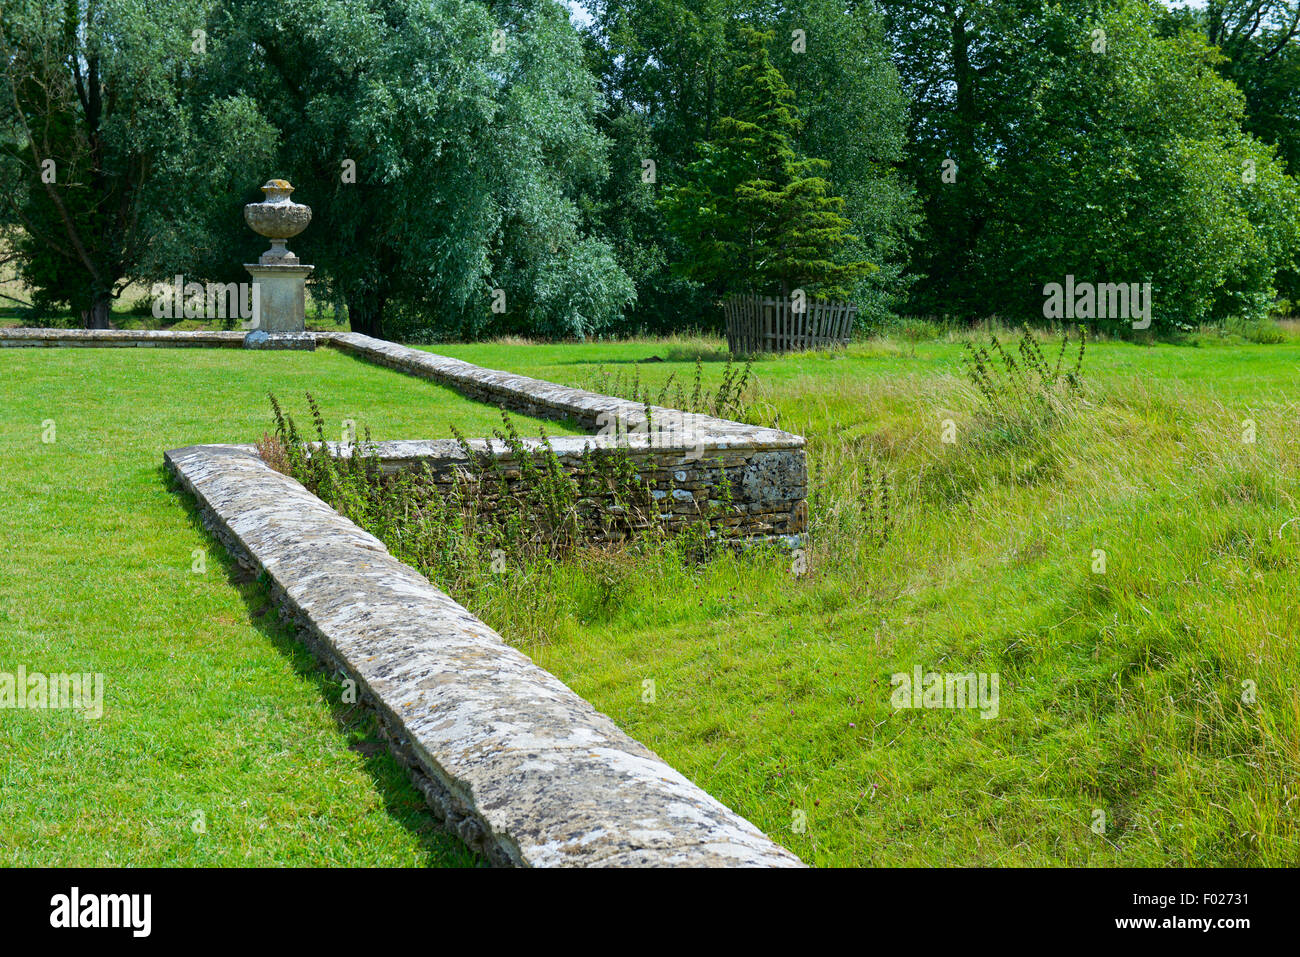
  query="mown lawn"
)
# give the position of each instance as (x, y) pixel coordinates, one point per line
(215, 719)
(1122, 692)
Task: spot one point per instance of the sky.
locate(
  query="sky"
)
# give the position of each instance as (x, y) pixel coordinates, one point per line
(576, 14)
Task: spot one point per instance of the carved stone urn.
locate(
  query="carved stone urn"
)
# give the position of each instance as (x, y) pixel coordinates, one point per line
(279, 278)
(279, 219)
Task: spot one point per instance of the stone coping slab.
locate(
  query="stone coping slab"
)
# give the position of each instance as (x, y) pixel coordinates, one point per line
(550, 400)
(522, 768)
(165, 338)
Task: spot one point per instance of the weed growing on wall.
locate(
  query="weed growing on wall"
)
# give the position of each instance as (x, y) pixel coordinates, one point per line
(512, 512)
(730, 400)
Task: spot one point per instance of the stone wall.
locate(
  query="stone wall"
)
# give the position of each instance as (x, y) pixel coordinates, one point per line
(118, 338)
(520, 767)
(767, 486)
(683, 459)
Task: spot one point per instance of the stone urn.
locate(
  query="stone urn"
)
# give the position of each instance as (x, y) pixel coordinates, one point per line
(279, 278)
(279, 219)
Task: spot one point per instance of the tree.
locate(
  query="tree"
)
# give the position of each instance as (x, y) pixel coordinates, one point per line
(1129, 164)
(1260, 40)
(443, 146)
(754, 215)
(91, 97)
(668, 71)
(1085, 140)
(954, 58)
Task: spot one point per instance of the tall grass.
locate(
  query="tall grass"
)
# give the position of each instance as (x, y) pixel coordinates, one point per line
(729, 399)
(502, 520)
(1122, 551)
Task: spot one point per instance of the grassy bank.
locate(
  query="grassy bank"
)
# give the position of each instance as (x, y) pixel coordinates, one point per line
(1125, 692)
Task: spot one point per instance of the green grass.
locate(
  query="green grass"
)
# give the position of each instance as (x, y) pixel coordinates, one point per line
(210, 704)
(1121, 692)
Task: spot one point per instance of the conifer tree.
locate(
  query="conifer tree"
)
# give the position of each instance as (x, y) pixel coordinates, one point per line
(756, 216)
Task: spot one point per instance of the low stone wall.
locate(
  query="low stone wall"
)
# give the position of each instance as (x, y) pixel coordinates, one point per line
(683, 459)
(766, 487)
(118, 338)
(523, 769)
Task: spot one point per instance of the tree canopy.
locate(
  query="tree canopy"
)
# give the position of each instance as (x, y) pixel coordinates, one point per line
(487, 167)
(753, 215)
(1085, 139)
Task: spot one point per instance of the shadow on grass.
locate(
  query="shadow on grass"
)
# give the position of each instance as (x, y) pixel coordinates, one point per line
(677, 353)
(357, 723)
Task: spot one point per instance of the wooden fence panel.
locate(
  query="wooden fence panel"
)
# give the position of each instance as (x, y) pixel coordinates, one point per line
(766, 324)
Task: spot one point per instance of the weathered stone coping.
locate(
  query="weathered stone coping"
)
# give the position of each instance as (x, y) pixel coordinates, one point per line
(398, 454)
(544, 399)
(520, 766)
(165, 338)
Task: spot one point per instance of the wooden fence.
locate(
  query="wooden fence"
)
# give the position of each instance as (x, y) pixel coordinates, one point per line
(763, 324)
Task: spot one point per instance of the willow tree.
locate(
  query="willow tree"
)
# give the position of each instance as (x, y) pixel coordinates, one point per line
(444, 146)
(90, 97)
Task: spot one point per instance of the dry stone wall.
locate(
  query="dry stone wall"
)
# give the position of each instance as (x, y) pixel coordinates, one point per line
(684, 459)
(520, 767)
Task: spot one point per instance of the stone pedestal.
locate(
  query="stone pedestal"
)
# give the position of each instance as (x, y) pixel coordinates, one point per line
(279, 276)
(282, 296)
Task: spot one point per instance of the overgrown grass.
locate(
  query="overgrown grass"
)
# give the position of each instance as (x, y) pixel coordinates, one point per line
(492, 520)
(1126, 679)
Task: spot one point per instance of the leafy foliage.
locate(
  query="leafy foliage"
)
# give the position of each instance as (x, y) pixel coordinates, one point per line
(669, 68)
(752, 214)
(523, 508)
(1077, 139)
(102, 148)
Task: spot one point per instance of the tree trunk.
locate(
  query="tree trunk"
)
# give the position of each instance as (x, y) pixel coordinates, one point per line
(969, 166)
(96, 317)
(366, 314)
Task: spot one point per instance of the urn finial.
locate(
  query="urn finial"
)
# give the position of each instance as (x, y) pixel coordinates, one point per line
(279, 219)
